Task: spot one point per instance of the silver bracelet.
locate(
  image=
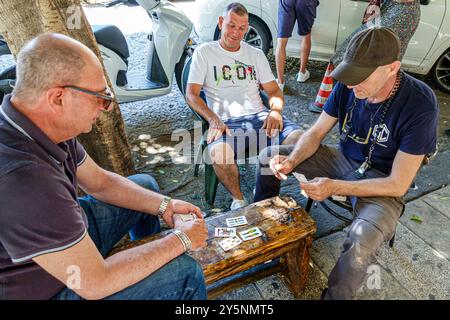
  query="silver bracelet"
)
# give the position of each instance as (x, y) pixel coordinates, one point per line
(187, 244)
(163, 206)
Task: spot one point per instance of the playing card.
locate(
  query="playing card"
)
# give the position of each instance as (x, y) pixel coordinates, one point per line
(339, 198)
(250, 234)
(225, 232)
(300, 177)
(230, 243)
(236, 221)
(282, 175)
(184, 217)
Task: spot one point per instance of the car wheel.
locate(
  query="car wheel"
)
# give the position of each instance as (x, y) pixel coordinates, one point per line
(257, 35)
(441, 72)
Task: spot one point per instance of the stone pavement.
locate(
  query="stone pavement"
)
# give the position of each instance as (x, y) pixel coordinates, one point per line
(417, 267)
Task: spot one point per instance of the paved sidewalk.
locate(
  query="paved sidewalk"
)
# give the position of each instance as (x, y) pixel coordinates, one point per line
(418, 267)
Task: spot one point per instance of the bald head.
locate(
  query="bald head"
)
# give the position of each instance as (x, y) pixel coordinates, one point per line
(50, 60)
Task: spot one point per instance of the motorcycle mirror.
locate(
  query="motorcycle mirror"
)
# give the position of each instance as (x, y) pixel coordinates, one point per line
(113, 3)
(128, 3)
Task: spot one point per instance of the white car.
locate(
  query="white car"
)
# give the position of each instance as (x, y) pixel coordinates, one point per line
(428, 50)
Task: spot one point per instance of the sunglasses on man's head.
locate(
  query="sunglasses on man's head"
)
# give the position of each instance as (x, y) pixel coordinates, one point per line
(107, 96)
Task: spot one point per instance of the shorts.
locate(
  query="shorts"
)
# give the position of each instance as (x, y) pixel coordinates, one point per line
(248, 139)
(302, 11)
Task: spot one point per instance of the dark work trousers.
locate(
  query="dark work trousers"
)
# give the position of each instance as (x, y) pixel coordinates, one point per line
(375, 217)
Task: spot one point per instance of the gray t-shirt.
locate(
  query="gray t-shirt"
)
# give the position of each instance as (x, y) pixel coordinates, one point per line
(39, 209)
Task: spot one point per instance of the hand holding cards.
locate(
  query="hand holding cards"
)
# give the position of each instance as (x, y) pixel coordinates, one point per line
(277, 167)
(184, 217)
(302, 179)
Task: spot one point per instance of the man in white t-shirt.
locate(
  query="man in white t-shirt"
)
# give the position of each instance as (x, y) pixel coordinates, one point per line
(231, 73)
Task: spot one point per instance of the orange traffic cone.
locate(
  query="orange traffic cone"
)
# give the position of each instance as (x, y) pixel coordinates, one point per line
(325, 90)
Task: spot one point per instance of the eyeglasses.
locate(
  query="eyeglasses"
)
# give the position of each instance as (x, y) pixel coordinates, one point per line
(107, 96)
(346, 127)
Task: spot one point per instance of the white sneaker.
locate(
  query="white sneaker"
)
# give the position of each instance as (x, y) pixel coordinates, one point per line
(302, 77)
(237, 203)
(281, 85)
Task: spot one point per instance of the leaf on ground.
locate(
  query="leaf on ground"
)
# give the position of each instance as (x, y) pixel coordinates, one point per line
(416, 218)
(176, 181)
(444, 198)
(161, 171)
(215, 210)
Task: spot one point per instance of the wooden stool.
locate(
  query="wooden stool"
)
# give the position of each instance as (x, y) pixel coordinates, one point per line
(287, 234)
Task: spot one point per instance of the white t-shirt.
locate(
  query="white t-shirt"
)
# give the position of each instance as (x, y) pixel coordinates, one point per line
(230, 79)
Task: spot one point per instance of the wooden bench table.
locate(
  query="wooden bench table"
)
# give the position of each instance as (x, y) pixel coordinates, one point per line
(287, 234)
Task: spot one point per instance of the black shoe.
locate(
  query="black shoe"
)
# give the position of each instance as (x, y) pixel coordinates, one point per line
(313, 108)
(324, 292)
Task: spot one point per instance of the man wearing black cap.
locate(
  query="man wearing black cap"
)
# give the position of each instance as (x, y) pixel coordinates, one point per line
(387, 123)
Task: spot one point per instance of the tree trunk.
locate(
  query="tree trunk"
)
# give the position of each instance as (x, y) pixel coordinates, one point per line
(22, 20)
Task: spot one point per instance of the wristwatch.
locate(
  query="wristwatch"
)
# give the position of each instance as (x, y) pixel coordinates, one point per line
(163, 206)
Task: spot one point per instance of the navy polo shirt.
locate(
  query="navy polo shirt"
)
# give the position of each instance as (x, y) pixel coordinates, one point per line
(39, 209)
(410, 124)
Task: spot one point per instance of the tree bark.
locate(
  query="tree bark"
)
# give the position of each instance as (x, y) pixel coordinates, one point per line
(22, 20)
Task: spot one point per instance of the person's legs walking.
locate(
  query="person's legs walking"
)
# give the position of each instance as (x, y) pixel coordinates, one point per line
(305, 50)
(286, 22)
(306, 14)
(280, 60)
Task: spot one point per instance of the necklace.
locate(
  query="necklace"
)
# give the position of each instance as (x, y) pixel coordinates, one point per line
(391, 94)
(360, 172)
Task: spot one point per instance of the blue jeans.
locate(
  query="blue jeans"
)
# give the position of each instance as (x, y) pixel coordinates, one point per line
(180, 279)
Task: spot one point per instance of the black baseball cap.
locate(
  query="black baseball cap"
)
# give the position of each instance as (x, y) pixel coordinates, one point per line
(366, 51)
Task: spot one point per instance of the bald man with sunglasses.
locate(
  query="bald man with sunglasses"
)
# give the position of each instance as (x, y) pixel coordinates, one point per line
(387, 123)
(54, 245)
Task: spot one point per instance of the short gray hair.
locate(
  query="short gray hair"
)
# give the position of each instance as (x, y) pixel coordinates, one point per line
(45, 62)
(237, 8)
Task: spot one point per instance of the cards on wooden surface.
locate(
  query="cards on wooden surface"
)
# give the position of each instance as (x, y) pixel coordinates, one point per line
(236, 221)
(225, 232)
(230, 243)
(250, 234)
